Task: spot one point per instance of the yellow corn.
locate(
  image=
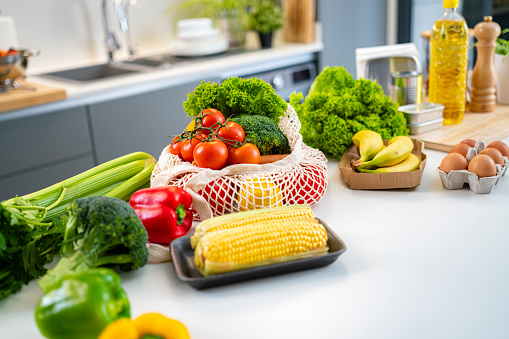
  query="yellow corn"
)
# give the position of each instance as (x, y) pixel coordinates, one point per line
(284, 213)
(259, 244)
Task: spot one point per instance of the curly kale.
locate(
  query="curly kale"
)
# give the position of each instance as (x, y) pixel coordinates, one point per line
(338, 106)
(99, 231)
(236, 96)
(264, 133)
(26, 243)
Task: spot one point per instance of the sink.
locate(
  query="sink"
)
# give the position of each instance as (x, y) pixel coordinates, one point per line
(93, 73)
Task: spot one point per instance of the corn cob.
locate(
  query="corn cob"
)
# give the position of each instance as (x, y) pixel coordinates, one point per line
(259, 244)
(284, 213)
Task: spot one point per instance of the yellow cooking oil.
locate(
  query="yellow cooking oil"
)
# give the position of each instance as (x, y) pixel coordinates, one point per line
(448, 63)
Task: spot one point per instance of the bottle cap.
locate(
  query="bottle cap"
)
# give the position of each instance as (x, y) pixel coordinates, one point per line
(451, 3)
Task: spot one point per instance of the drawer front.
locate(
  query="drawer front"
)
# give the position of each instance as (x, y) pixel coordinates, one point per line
(25, 183)
(144, 122)
(31, 142)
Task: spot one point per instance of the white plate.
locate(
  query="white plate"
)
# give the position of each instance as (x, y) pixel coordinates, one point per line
(182, 48)
(201, 35)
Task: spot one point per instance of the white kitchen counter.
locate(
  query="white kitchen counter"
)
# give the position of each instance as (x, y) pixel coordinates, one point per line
(257, 60)
(420, 263)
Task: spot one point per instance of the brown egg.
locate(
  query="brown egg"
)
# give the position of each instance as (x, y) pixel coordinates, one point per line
(469, 142)
(501, 146)
(495, 154)
(483, 166)
(453, 162)
(461, 149)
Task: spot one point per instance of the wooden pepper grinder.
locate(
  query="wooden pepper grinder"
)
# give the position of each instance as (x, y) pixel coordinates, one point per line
(484, 76)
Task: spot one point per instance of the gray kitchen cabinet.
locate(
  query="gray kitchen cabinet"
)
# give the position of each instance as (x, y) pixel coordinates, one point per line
(28, 182)
(143, 122)
(37, 148)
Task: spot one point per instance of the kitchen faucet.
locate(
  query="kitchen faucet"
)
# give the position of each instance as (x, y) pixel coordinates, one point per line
(121, 11)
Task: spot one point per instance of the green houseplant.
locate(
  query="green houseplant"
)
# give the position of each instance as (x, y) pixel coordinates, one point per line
(231, 15)
(502, 68)
(265, 18)
(503, 45)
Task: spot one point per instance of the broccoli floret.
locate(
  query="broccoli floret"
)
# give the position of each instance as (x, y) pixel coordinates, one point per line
(99, 231)
(337, 106)
(264, 133)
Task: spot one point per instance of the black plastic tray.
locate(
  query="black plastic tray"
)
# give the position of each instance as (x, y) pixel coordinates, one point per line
(182, 256)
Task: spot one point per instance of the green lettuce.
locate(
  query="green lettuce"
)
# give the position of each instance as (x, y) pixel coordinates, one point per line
(236, 96)
(338, 106)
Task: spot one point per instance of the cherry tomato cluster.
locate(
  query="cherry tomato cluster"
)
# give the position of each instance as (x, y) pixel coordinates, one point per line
(214, 143)
(11, 51)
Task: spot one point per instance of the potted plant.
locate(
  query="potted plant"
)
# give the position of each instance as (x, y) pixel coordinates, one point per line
(502, 67)
(265, 17)
(231, 14)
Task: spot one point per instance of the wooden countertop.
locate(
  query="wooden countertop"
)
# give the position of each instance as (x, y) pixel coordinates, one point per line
(478, 126)
(29, 94)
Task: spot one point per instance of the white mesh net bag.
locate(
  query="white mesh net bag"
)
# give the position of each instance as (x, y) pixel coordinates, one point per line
(300, 178)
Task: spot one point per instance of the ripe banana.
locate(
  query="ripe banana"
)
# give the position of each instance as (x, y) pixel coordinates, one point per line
(397, 150)
(368, 143)
(411, 163)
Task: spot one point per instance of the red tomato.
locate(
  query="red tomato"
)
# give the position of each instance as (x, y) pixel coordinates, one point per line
(213, 154)
(210, 116)
(245, 154)
(188, 146)
(232, 131)
(12, 51)
(310, 186)
(175, 147)
(219, 194)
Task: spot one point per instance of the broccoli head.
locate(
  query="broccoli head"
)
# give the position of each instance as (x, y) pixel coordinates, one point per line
(100, 231)
(264, 133)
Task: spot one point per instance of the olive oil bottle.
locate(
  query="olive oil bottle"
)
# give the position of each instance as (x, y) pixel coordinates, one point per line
(448, 63)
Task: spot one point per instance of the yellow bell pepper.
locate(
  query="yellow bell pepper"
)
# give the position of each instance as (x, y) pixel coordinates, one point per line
(153, 324)
(259, 193)
(190, 126)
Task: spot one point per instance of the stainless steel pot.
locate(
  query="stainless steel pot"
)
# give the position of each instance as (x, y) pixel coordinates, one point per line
(13, 66)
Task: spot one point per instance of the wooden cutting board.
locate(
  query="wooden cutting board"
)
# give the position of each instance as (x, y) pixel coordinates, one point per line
(300, 17)
(21, 98)
(478, 126)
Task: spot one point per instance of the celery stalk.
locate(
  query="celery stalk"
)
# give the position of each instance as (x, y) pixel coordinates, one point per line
(30, 228)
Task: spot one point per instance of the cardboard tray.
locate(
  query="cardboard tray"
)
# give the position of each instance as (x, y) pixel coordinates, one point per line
(381, 181)
(456, 179)
(182, 257)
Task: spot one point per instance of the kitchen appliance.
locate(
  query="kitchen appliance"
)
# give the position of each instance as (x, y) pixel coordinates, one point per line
(295, 78)
(378, 63)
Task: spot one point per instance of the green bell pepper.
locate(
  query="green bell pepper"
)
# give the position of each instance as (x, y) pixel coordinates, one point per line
(81, 305)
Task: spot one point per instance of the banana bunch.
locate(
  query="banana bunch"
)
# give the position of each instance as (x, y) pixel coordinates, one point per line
(377, 158)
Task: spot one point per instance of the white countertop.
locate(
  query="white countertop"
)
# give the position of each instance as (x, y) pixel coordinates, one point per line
(420, 263)
(257, 60)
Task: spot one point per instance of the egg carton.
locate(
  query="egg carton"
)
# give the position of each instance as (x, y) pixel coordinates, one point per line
(457, 179)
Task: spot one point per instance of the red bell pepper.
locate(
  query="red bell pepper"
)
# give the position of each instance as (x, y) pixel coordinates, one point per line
(164, 211)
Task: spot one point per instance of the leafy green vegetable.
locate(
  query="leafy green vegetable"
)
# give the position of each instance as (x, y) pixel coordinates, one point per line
(236, 96)
(338, 106)
(264, 133)
(503, 45)
(99, 231)
(32, 226)
(265, 17)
